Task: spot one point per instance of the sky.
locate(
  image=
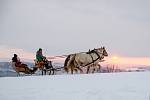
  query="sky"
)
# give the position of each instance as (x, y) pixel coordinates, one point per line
(69, 26)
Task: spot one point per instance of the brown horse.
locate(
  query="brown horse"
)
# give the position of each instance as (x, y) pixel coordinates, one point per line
(79, 60)
(45, 66)
(23, 68)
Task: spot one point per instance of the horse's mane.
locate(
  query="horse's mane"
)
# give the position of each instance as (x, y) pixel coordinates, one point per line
(90, 51)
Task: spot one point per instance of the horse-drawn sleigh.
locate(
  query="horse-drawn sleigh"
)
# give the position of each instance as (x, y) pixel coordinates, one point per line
(49, 69)
(73, 62)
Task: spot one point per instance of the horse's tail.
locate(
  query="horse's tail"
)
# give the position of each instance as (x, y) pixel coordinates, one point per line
(66, 63)
(66, 60)
(69, 60)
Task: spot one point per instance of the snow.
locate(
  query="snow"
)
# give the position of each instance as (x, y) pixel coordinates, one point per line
(102, 86)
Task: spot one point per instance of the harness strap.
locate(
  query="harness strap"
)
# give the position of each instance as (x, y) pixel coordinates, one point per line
(92, 59)
(93, 51)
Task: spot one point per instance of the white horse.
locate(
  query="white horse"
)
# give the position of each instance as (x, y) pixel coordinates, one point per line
(79, 60)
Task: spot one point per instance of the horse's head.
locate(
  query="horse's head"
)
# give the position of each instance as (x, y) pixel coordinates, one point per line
(102, 51)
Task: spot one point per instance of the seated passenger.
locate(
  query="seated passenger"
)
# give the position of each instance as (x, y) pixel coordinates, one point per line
(17, 61)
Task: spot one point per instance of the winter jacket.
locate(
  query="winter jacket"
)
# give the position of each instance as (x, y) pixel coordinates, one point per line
(39, 56)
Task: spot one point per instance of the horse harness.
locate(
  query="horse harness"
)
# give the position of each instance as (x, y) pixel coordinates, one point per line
(90, 52)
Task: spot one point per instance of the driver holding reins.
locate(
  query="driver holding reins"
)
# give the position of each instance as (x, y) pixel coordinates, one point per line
(39, 55)
(40, 58)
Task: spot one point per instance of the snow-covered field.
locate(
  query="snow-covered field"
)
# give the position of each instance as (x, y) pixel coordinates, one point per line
(103, 86)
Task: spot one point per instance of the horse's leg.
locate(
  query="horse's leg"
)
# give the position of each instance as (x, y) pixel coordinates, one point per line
(53, 71)
(71, 70)
(76, 70)
(42, 71)
(66, 69)
(99, 68)
(45, 70)
(50, 71)
(88, 68)
(93, 70)
(81, 71)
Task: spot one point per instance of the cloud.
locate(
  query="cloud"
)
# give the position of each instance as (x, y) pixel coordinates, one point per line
(7, 52)
(122, 26)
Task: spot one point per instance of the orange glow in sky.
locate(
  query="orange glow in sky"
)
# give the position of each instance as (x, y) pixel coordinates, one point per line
(114, 59)
(129, 60)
